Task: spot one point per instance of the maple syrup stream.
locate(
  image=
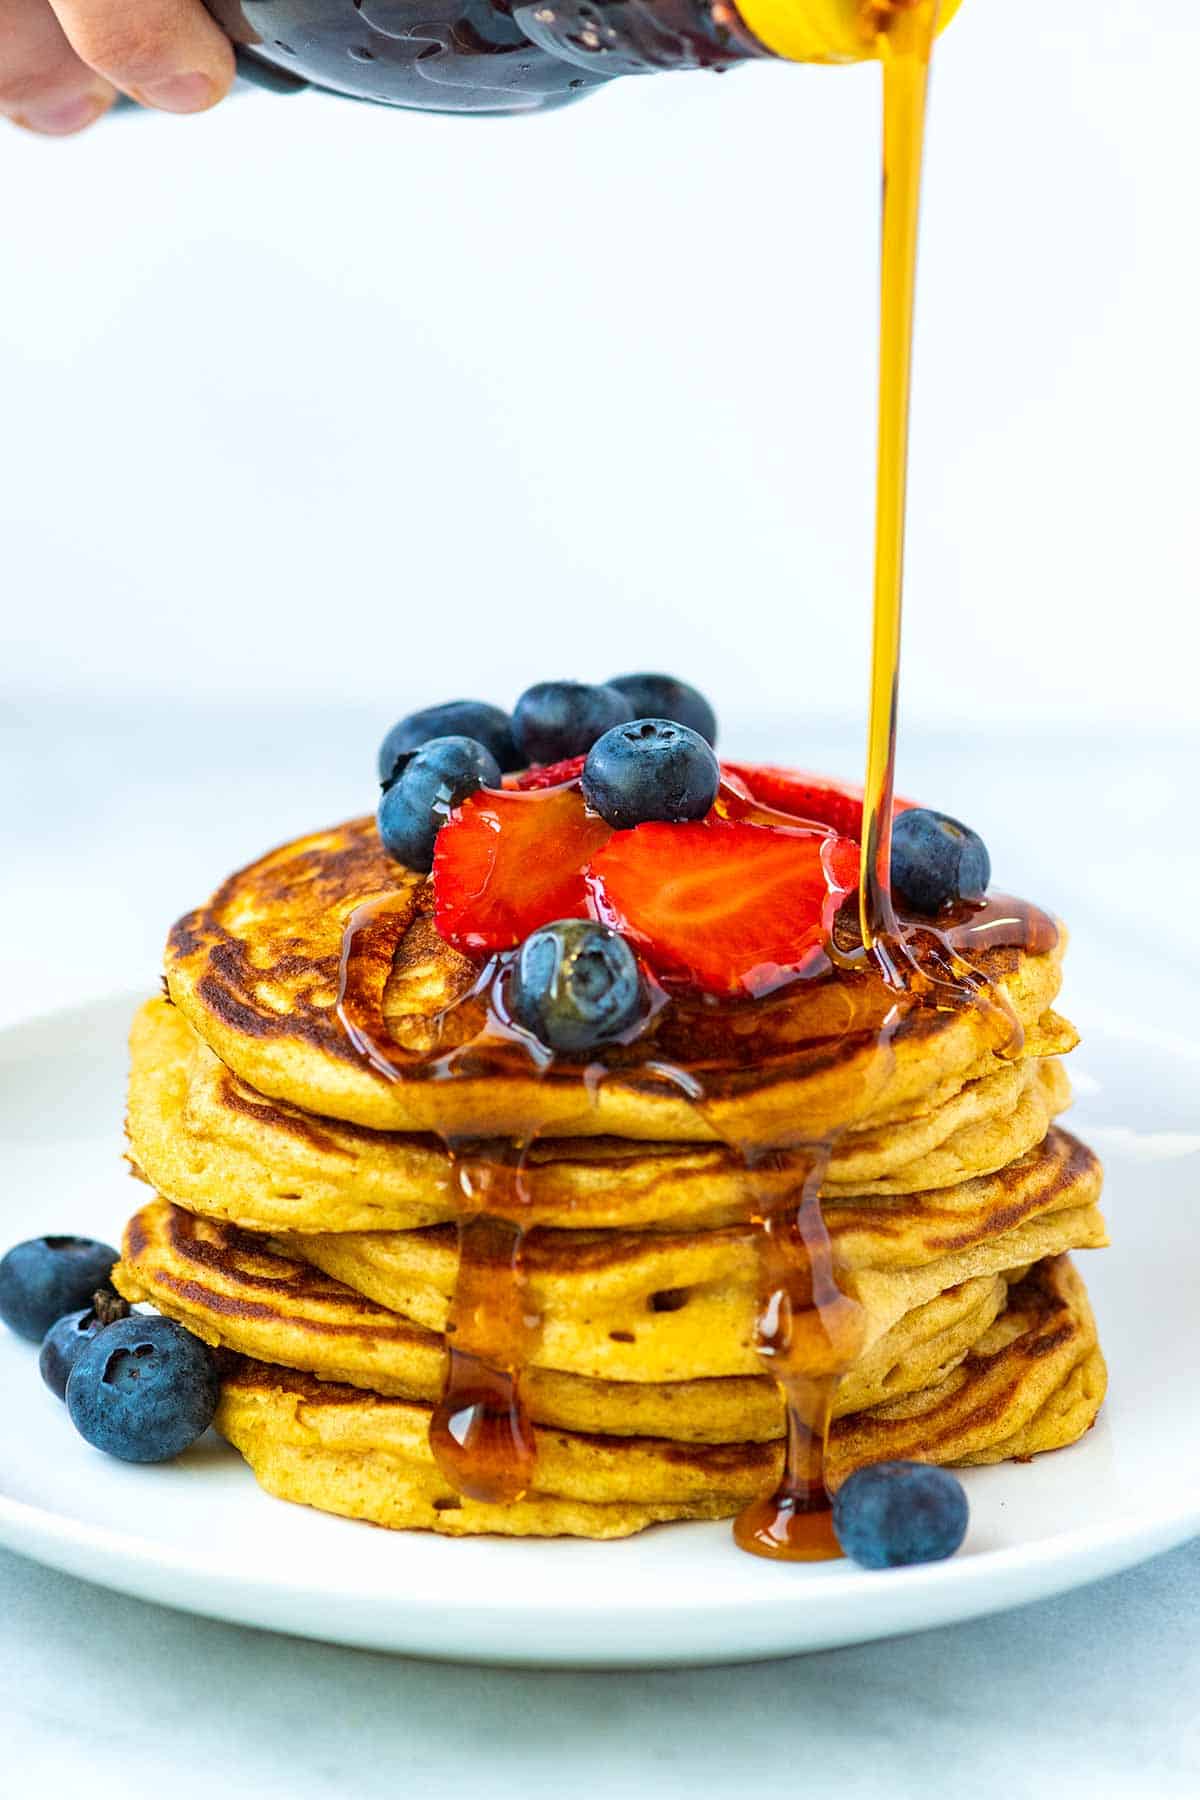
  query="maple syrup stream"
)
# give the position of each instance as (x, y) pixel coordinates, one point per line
(809, 1331)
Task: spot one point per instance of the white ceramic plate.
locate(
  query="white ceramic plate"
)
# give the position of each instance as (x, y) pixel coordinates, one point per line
(199, 1534)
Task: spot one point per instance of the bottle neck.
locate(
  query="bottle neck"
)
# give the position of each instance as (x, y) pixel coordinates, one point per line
(638, 37)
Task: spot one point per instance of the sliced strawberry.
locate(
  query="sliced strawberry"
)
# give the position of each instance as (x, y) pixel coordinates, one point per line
(804, 796)
(733, 907)
(544, 775)
(505, 863)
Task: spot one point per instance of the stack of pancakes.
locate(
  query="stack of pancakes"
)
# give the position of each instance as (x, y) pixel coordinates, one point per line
(307, 1219)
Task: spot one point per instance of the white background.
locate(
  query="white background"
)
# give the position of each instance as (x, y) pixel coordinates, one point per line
(310, 413)
(333, 402)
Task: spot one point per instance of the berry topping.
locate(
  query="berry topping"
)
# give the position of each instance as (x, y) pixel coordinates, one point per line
(68, 1336)
(143, 1390)
(433, 781)
(47, 1277)
(509, 862)
(663, 697)
(894, 1513)
(575, 984)
(456, 718)
(650, 769)
(835, 803)
(734, 908)
(937, 861)
(544, 775)
(556, 719)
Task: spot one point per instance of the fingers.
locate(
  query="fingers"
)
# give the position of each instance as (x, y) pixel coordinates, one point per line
(166, 53)
(44, 86)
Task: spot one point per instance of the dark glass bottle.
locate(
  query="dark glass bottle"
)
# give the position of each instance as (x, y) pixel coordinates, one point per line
(502, 56)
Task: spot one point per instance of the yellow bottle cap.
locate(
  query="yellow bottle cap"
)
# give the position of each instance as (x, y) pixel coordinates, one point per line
(826, 31)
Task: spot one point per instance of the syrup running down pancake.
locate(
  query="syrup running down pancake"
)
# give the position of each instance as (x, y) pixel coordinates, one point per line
(1032, 1382)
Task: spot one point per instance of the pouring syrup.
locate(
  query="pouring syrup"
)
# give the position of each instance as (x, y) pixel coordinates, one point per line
(809, 1330)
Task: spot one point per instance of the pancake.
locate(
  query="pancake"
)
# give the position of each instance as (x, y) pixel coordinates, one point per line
(256, 972)
(655, 1305)
(630, 1322)
(237, 1295)
(1035, 1378)
(205, 1139)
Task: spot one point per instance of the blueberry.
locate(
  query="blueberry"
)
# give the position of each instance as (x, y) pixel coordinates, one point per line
(894, 1513)
(67, 1337)
(435, 778)
(557, 719)
(663, 697)
(46, 1277)
(936, 861)
(575, 984)
(651, 769)
(456, 718)
(143, 1389)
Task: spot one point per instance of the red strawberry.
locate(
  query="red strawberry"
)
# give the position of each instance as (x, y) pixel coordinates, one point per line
(803, 796)
(505, 863)
(544, 775)
(732, 907)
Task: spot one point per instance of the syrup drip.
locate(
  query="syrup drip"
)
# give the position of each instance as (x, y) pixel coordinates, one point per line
(480, 1434)
(481, 1437)
(809, 1334)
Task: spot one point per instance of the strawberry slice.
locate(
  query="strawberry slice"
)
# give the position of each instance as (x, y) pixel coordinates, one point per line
(505, 863)
(733, 907)
(804, 796)
(545, 775)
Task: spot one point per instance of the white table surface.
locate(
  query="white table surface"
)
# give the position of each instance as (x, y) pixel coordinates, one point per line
(116, 819)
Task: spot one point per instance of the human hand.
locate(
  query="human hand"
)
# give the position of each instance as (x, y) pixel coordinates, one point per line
(62, 61)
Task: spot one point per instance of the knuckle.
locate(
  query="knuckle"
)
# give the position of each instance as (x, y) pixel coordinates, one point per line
(124, 43)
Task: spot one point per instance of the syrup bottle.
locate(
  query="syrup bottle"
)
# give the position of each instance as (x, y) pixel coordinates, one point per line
(503, 56)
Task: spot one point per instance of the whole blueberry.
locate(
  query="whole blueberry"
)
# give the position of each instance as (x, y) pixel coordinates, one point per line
(666, 697)
(143, 1389)
(575, 984)
(67, 1337)
(46, 1277)
(434, 780)
(650, 769)
(894, 1513)
(557, 719)
(488, 725)
(936, 861)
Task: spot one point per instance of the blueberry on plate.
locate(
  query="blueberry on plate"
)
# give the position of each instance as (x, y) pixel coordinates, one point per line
(894, 1513)
(575, 984)
(557, 719)
(937, 861)
(45, 1277)
(665, 697)
(488, 725)
(143, 1389)
(650, 769)
(68, 1336)
(435, 779)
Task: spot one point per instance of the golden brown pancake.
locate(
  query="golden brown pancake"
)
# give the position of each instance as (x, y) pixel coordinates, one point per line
(233, 1292)
(208, 1141)
(622, 1313)
(1035, 1379)
(658, 1305)
(256, 972)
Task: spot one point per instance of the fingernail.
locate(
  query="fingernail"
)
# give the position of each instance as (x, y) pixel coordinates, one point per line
(180, 93)
(58, 118)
